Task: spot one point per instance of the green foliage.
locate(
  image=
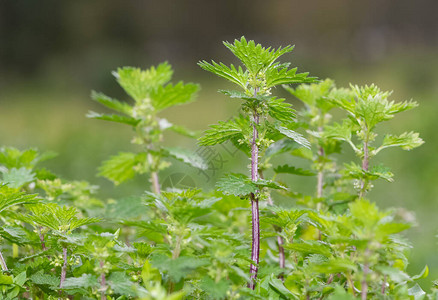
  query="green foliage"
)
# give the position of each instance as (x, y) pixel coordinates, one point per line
(59, 240)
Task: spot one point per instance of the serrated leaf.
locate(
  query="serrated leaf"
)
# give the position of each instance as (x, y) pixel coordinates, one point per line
(216, 290)
(16, 178)
(280, 110)
(85, 281)
(178, 268)
(139, 83)
(292, 170)
(114, 118)
(220, 133)
(10, 197)
(40, 278)
(406, 141)
(237, 76)
(279, 287)
(187, 156)
(236, 184)
(121, 284)
(279, 76)
(310, 247)
(281, 146)
(171, 95)
(111, 103)
(297, 137)
(121, 167)
(417, 292)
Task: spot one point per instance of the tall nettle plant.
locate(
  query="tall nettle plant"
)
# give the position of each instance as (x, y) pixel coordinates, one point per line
(254, 131)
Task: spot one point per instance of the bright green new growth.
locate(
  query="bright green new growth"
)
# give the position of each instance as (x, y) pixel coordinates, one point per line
(151, 91)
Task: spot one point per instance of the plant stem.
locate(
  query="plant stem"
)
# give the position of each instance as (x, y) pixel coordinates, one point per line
(154, 177)
(3, 262)
(43, 244)
(64, 267)
(255, 248)
(365, 167)
(364, 283)
(102, 282)
(384, 284)
(280, 241)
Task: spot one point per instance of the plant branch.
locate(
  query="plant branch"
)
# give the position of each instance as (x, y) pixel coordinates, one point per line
(102, 282)
(64, 267)
(365, 166)
(43, 244)
(3, 262)
(255, 248)
(154, 177)
(364, 283)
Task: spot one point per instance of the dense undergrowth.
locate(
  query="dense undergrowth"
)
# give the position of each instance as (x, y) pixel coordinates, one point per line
(59, 240)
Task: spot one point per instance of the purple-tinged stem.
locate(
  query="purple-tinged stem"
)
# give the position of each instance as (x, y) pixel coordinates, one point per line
(43, 244)
(154, 178)
(320, 184)
(3, 262)
(365, 167)
(255, 248)
(64, 267)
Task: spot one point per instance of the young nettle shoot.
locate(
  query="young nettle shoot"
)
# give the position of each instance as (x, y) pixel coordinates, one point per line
(254, 131)
(152, 93)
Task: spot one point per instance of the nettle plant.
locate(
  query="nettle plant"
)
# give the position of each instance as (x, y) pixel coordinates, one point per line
(251, 238)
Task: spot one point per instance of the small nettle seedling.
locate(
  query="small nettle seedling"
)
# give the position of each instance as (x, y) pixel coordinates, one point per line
(152, 93)
(254, 131)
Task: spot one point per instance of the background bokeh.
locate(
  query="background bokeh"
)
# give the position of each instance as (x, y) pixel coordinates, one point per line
(53, 53)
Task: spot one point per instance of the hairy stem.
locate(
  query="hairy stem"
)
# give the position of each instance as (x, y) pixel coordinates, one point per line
(64, 267)
(364, 283)
(154, 177)
(280, 241)
(320, 183)
(43, 244)
(102, 282)
(3, 262)
(255, 249)
(365, 167)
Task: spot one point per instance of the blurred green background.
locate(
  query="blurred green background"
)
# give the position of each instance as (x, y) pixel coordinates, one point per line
(53, 53)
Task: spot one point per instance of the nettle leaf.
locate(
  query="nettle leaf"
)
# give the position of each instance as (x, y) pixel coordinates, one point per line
(280, 110)
(114, 118)
(121, 167)
(297, 137)
(269, 184)
(237, 76)
(310, 247)
(120, 284)
(281, 146)
(85, 281)
(406, 141)
(10, 197)
(40, 278)
(216, 290)
(279, 287)
(186, 156)
(311, 94)
(111, 103)
(171, 95)
(417, 292)
(164, 124)
(236, 184)
(16, 178)
(339, 131)
(139, 83)
(220, 133)
(334, 265)
(293, 170)
(11, 157)
(180, 267)
(255, 57)
(279, 76)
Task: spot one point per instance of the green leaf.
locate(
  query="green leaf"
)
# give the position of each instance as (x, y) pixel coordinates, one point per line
(216, 290)
(11, 157)
(279, 287)
(6, 279)
(237, 76)
(417, 292)
(186, 156)
(269, 184)
(10, 197)
(281, 146)
(20, 279)
(279, 76)
(220, 133)
(293, 170)
(280, 110)
(236, 184)
(85, 281)
(341, 294)
(406, 141)
(166, 125)
(16, 178)
(111, 103)
(180, 267)
(310, 247)
(423, 274)
(171, 95)
(312, 94)
(334, 265)
(40, 278)
(139, 83)
(121, 284)
(114, 118)
(297, 137)
(121, 167)
(255, 57)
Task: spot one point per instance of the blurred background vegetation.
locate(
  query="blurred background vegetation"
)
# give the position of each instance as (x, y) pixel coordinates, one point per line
(53, 53)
